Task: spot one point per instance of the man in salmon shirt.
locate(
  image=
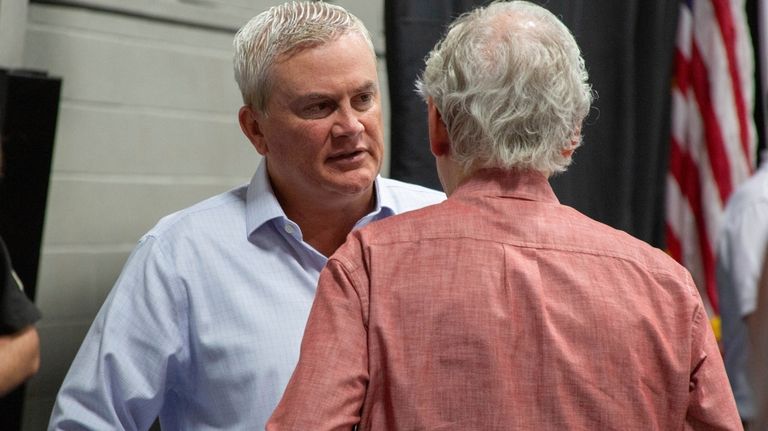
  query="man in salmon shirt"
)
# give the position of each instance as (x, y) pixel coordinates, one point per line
(500, 308)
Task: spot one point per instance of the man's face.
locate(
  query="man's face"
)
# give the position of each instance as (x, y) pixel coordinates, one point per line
(322, 134)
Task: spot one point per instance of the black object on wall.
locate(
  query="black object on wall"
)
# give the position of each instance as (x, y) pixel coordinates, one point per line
(29, 104)
(618, 174)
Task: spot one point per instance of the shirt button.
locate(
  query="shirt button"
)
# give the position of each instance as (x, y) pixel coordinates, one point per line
(289, 228)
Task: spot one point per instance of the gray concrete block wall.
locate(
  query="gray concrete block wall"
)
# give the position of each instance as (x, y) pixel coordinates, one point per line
(147, 125)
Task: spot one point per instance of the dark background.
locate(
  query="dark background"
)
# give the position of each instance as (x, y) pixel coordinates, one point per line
(29, 102)
(618, 174)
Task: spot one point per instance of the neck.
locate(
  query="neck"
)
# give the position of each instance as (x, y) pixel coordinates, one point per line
(326, 224)
(450, 173)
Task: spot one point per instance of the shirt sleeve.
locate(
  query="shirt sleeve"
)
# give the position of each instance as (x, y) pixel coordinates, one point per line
(711, 403)
(131, 353)
(16, 310)
(747, 235)
(328, 386)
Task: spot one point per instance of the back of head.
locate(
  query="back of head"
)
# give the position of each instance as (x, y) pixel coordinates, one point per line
(511, 86)
(281, 31)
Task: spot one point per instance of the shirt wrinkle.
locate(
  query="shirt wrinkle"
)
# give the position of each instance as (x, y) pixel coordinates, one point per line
(180, 318)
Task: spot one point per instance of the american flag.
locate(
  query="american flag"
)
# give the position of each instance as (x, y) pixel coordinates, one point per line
(713, 141)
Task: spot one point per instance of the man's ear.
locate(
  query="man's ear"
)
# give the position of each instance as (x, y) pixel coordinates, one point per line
(249, 124)
(439, 143)
(575, 139)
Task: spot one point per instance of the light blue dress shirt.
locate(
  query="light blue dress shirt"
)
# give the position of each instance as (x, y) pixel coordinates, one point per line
(204, 325)
(741, 247)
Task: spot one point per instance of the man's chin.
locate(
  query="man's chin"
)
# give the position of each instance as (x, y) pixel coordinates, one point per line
(353, 185)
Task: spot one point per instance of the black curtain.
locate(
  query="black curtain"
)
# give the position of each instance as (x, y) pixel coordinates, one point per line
(412, 28)
(761, 93)
(618, 174)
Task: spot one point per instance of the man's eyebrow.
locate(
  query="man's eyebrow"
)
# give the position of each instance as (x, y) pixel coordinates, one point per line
(310, 97)
(313, 96)
(367, 86)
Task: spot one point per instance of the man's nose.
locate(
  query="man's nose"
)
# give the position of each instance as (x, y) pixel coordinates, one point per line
(347, 123)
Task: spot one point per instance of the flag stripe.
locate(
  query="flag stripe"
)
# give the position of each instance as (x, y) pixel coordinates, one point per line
(681, 72)
(685, 172)
(727, 30)
(713, 136)
(673, 244)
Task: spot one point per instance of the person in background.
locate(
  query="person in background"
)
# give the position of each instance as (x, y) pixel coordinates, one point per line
(19, 341)
(500, 308)
(757, 326)
(740, 250)
(204, 324)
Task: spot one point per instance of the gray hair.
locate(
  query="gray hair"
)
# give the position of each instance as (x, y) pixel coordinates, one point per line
(283, 30)
(511, 86)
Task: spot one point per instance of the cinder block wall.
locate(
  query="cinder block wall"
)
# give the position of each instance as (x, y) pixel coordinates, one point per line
(147, 126)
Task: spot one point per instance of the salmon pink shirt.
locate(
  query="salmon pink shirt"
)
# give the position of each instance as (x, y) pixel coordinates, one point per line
(501, 309)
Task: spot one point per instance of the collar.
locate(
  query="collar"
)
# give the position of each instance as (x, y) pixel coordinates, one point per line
(386, 201)
(262, 205)
(526, 185)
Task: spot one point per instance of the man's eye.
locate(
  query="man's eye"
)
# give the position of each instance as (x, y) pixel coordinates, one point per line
(317, 110)
(364, 101)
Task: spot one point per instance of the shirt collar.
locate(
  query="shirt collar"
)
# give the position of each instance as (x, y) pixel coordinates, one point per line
(527, 185)
(262, 205)
(385, 200)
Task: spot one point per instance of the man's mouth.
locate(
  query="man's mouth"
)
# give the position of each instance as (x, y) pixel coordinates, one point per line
(347, 157)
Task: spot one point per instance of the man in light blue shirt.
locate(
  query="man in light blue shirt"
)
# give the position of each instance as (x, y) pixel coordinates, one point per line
(741, 249)
(204, 325)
